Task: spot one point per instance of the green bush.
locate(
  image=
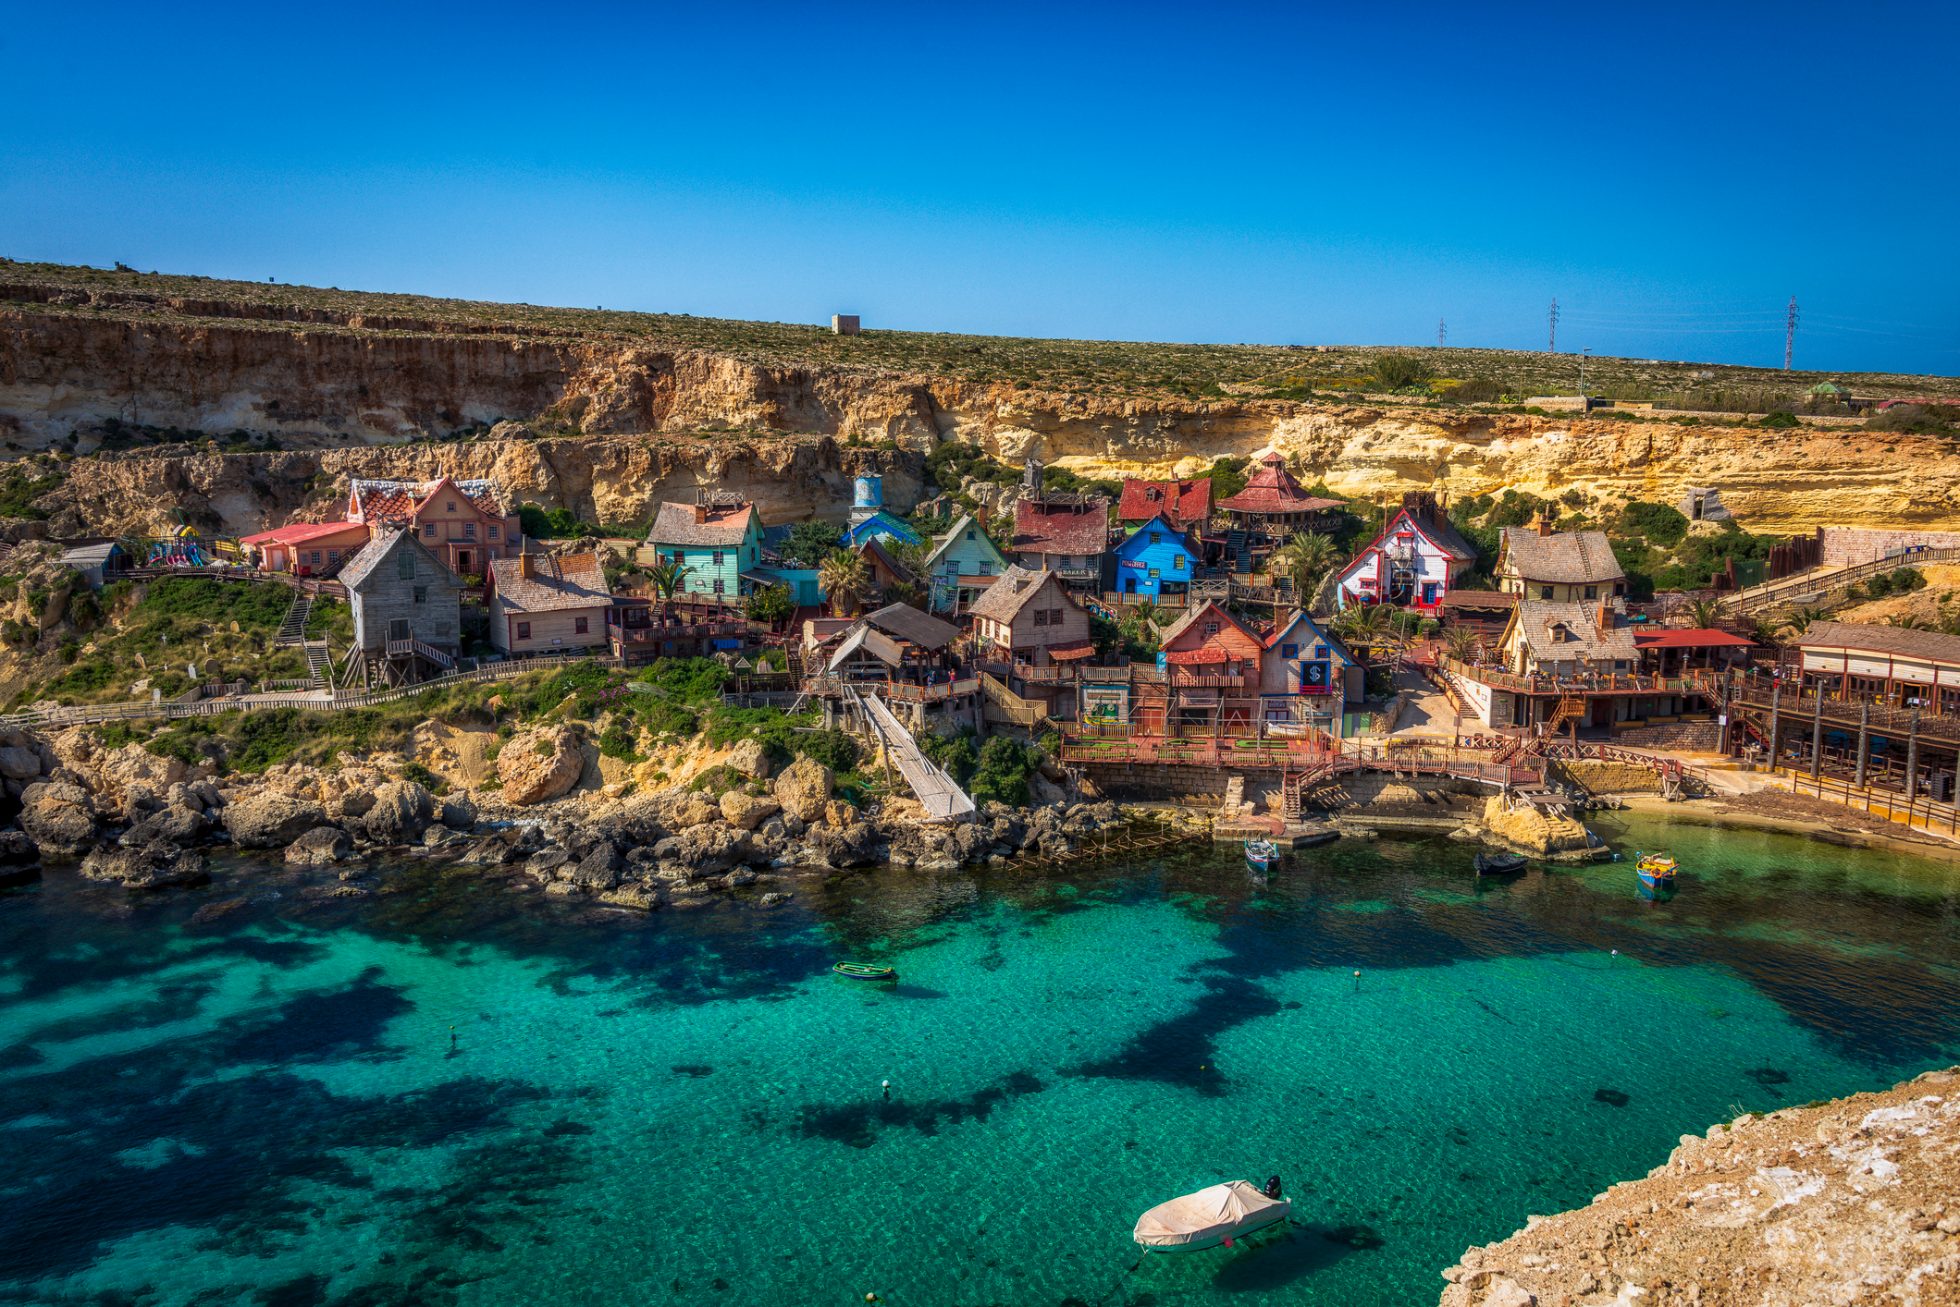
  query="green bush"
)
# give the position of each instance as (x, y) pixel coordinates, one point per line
(810, 543)
(1878, 586)
(835, 749)
(1399, 371)
(954, 754)
(620, 740)
(19, 489)
(1004, 768)
(428, 780)
(1780, 420)
(1657, 524)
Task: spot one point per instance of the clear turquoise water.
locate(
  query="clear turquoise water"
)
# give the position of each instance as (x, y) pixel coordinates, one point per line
(266, 1107)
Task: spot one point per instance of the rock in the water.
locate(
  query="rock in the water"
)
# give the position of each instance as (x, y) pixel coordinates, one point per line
(538, 765)
(751, 759)
(707, 850)
(319, 847)
(400, 813)
(544, 864)
(746, 811)
(20, 858)
(157, 865)
(271, 819)
(457, 813)
(804, 789)
(598, 869)
(632, 896)
(57, 816)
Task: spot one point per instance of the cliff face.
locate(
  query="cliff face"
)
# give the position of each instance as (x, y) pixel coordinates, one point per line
(609, 479)
(1855, 1201)
(330, 382)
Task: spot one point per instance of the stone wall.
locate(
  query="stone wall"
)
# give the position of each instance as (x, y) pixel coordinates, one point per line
(1847, 545)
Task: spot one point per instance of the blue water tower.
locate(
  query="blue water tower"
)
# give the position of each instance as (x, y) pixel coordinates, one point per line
(870, 497)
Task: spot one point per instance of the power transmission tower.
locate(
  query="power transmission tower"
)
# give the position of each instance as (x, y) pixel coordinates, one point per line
(1442, 332)
(1789, 333)
(1551, 335)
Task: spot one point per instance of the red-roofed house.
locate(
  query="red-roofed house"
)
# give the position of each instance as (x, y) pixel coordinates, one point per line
(461, 522)
(1211, 663)
(1186, 504)
(305, 547)
(1668, 651)
(1064, 534)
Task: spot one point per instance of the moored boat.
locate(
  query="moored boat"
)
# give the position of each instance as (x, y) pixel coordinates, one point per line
(1500, 864)
(1656, 870)
(1260, 855)
(864, 971)
(1211, 1217)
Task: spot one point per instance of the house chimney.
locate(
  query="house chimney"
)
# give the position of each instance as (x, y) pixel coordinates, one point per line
(700, 513)
(527, 564)
(1543, 523)
(1605, 613)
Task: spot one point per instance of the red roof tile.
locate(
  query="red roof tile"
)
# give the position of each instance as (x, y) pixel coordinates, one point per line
(1272, 489)
(1184, 502)
(1041, 528)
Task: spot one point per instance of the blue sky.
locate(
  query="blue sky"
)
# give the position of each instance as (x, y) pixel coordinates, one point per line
(1300, 173)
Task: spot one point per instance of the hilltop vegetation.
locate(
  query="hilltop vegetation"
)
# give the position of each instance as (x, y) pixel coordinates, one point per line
(1106, 368)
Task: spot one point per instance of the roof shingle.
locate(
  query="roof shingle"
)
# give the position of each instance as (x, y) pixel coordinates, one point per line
(1185, 503)
(570, 581)
(1563, 558)
(1042, 528)
(1899, 641)
(717, 527)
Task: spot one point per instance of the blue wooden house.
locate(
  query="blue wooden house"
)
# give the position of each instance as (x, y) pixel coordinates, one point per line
(1156, 560)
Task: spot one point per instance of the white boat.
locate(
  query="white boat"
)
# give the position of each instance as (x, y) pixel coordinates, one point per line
(1208, 1218)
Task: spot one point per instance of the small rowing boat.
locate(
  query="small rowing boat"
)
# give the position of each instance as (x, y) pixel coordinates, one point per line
(864, 971)
(1500, 864)
(1210, 1217)
(1656, 870)
(1260, 855)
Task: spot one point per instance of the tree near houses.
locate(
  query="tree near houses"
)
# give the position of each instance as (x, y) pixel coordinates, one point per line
(1304, 560)
(771, 604)
(844, 578)
(666, 577)
(1463, 644)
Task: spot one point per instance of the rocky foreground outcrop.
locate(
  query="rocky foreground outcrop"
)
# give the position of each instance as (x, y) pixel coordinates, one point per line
(1852, 1202)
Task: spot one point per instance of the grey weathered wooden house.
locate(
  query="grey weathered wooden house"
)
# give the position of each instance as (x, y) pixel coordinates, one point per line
(408, 619)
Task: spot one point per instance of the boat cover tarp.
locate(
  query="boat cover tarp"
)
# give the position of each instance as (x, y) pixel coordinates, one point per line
(1207, 1216)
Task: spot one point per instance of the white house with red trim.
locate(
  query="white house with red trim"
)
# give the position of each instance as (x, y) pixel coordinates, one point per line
(1416, 560)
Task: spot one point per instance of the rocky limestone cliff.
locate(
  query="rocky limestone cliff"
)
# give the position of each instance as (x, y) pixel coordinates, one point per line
(1850, 1202)
(324, 381)
(607, 479)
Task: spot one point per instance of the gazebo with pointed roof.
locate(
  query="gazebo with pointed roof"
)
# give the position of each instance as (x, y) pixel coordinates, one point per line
(1274, 505)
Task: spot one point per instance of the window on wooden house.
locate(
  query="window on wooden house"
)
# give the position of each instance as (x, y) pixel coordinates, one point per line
(1177, 563)
(1211, 628)
(986, 569)
(493, 530)
(1054, 617)
(523, 630)
(1041, 617)
(720, 586)
(1289, 651)
(717, 558)
(1592, 592)
(578, 625)
(451, 507)
(421, 594)
(405, 565)
(1544, 592)
(469, 530)
(1156, 537)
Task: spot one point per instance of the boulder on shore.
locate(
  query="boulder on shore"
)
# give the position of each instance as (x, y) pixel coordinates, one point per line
(57, 816)
(746, 811)
(750, 758)
(400, 813)
(271, 819)
(541, 764)
(804, 788)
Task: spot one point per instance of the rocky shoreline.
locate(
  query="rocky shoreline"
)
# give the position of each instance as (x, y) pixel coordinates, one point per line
(126, 816)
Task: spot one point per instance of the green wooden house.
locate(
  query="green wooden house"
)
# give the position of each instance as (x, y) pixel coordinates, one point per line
(963, 563)
(718, 539)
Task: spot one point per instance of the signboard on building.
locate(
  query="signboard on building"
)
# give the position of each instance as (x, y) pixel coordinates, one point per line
(1106, 705)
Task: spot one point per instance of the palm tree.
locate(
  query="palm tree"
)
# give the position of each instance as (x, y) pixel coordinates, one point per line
(666, 577)
(1800, 619)
(1362, 623)
(844, 578)
(1303, 560)
(1704, 612)
(1463, 644)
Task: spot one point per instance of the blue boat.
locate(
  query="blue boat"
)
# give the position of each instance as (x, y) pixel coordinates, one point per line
(1260, 855)
(1656, 870)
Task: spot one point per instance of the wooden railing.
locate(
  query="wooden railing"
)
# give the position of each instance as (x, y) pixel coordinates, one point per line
(1820, 580)
(1605, 683)
(1843, 711)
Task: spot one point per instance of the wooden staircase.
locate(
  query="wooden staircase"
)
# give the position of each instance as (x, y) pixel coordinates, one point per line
(292, 627)
(1235, 546)
(319, 662)
(1569, 709)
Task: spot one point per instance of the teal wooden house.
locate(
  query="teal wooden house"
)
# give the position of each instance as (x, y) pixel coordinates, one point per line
(962, 564)
(1155, 561)
(718, 539)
